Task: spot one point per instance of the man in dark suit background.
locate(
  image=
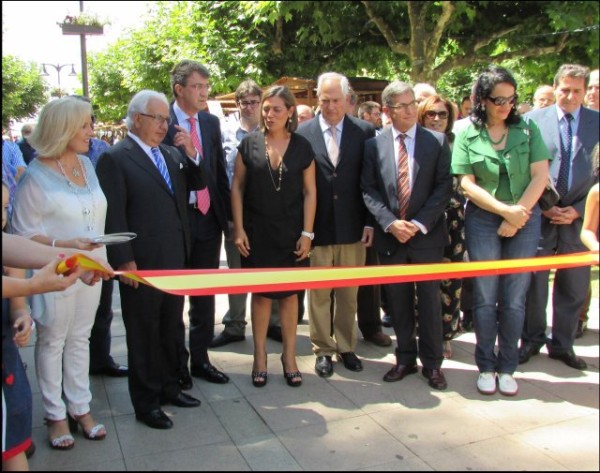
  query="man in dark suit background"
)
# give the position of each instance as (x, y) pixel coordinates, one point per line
(340, 234)
(197, 134)
(570, 132)
(145, 188)
(406, 186)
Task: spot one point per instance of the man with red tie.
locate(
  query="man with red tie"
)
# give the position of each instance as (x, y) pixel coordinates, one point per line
(406, 186)
(197, 134)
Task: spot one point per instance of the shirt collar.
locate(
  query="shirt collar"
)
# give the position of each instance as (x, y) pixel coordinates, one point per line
(561, 113)
(182, 117)
(411, 132)
(326, 126)
(147, 149)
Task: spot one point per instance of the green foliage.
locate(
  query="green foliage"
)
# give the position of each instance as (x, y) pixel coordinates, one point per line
(444, 43)
(23, 89)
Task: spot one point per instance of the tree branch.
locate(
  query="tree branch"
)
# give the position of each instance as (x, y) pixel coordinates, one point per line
(499, 34)
(395, 45)
(436, 35)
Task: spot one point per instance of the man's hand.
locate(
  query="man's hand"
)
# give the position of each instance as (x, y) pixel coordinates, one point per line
(564, 215)
(367, 237)
(127, 267)
(403, 230)
(184, 139)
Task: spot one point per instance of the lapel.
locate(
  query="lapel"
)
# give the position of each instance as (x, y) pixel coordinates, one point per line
(205, 132)
(387, 163)
(551, 118)
(315, 136)
(141, 159)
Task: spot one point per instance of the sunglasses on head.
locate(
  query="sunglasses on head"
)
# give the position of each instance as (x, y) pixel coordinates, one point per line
(499, 101)
(432, 114)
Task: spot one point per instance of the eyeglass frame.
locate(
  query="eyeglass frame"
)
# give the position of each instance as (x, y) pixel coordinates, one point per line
(246, 104)
(431, 114)
(403, 106)
(500, 101)
(159, 119)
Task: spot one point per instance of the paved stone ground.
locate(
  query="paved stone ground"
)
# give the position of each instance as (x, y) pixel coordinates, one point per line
(351, 421)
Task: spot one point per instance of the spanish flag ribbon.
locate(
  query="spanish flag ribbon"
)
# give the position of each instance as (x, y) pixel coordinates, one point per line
(195, 282)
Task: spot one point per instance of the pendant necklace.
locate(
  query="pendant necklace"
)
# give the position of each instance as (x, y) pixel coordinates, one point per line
(88, 213)
(496, 143)
(279, 168)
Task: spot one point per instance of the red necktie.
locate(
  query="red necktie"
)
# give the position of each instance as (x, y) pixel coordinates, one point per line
(403, 177)
(202, 196)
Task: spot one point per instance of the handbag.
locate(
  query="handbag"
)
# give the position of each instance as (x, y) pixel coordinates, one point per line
(549, 197)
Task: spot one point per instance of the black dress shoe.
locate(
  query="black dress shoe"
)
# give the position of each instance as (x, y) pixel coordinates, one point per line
(379, 338)
(274, 333)
(386, 320)
(185, 382)
(209, 373)
(156, 419)
(436, 378)
(183, 400)
(570, 359)
(526, 351)
(113, 370)
(324, 366)
(399, 371)
(224, 338)
(351, 361)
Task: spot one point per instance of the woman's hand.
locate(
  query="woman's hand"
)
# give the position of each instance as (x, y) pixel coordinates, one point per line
(84, 244)
(242, 243)
(517, 215)
(22, 327)
(302, 248)
(507, 230)
(46, 279)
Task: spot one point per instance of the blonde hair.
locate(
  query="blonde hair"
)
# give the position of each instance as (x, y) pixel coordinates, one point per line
(59, 122)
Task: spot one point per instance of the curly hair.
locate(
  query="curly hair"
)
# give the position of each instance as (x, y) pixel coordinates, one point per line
(429, 102)
(489, 78)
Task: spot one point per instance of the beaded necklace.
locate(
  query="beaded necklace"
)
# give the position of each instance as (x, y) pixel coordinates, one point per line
(279, 168)
(89, 213)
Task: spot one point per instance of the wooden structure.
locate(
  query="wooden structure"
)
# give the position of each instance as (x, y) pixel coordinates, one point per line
(305, 91)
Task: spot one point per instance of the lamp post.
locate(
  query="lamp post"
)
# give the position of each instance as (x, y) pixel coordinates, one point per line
(58, 68)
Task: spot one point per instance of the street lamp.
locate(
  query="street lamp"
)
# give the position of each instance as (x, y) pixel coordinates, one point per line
(58, 68)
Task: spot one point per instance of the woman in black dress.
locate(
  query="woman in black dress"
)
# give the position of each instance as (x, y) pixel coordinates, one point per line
(273, 197)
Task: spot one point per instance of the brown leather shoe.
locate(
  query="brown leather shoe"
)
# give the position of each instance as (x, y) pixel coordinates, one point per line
(436, 378)
(380, 339)
(398, 372)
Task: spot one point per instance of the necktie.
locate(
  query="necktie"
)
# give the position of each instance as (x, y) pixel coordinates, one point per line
(332, 148)
(161, 166)
(566, 139)
(403, 177)
(202, 196)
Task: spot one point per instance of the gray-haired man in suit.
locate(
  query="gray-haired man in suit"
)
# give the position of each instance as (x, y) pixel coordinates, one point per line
(570, 132)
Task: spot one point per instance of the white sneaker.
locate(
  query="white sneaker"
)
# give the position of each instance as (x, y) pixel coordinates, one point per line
(486, 383)
(507, 384)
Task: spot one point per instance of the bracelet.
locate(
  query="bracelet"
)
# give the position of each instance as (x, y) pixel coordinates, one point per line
(54, 242)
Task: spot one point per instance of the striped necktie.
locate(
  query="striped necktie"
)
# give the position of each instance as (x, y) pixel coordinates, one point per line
(202, 196)
(159, 161)
(566, 140)
(333, 149)
(403, 177)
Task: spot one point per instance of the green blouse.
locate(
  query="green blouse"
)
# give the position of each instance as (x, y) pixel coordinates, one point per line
(474, 154)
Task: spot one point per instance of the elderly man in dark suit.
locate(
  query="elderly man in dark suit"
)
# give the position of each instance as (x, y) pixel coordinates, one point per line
(145, 187)
(340, 232)
(570, 132)
(406, 186)
(197, 134)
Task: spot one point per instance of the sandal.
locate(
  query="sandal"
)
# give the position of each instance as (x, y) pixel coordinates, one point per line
(447, 349)
(289, 377)
(260, 378)
(97, 432)
(59, 442)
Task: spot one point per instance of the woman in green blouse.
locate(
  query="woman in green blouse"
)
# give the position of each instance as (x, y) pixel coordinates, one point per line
(502, 164)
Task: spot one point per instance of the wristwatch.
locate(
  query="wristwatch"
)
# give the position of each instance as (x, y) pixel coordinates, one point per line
(309, 235)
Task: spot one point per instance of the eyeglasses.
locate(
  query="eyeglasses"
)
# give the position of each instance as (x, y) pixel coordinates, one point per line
(404, 106)
(432, 114)
(251, 103)
(499, 101)
(158, 119)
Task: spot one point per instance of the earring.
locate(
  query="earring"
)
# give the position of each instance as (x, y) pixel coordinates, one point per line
(483, 107)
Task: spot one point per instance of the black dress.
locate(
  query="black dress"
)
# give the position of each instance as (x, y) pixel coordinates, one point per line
(273, 220)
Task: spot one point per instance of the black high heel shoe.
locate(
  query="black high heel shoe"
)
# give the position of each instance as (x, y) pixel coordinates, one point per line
(260, 378)
(289, 377)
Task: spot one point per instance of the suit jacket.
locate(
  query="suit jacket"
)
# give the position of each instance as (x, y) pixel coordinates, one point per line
(431, 190)
(341, 214)
(212, 165)
(140, 201)
(581, 169)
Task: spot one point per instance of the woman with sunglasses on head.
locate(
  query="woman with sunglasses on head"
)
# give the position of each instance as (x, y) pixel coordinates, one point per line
(437, 113)
(502, 165)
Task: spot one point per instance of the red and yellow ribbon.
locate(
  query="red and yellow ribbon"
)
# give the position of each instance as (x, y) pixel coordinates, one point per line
(235, 281)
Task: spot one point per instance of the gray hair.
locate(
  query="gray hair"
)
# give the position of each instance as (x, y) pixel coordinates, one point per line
(395, 88)
(343, 80)
(139, 104)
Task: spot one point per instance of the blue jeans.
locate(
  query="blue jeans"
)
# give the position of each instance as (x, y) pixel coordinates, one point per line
(499, 301)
